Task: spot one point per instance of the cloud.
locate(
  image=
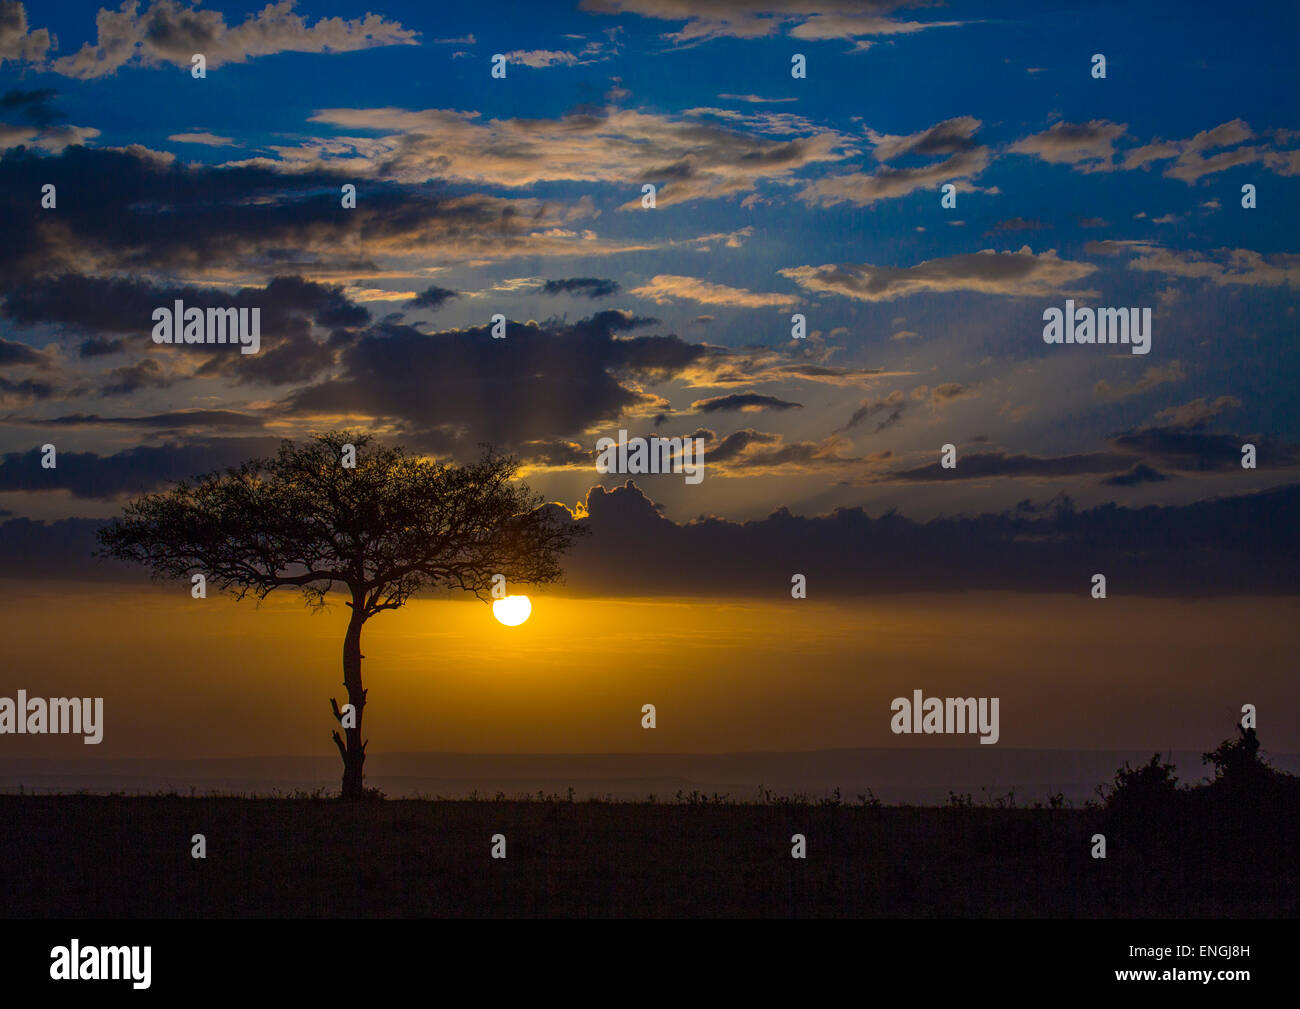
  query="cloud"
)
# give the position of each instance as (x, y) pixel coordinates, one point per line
(17, 40)
(887, 183)
(26, 389)
(585, 287)
(100, 346)
(947, 392)
(167, 32)
(1182, 551)
(1017, 224)
(664, 288)
(34, 106)
(554, 454)
(592, 52)
(1156, 375)
(855, 26)
(745, 19)
(538, 58)
(1178, 440)
(130, 471)
(1194, 451)
(457, 388)
(289, 307)
(686, 158)
(1224, 267)
(753, 452)
(1089, 147)
(1195, 549)
(953, 140)
(13, 354)
(985, 465)
(433, 297)
(232, 222)
(205, 139)
(1197, 414)
(147, 373)
(1015, 274)
(1189, 156)
(892, 405)
(1141, 473)
(125, 305)
(1118, 247)
(756, 99)
(744, 401)
(52, 139)
(952, 136)
(194, 421)
(803, 360)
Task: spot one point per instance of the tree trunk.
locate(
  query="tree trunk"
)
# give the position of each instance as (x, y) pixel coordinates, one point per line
(353, 750)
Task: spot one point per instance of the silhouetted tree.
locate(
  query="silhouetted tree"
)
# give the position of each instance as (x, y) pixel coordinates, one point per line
(390, 527)
(1142, 790)
(1237, 761)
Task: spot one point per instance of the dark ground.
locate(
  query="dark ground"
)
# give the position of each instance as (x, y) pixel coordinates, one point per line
(88, 856)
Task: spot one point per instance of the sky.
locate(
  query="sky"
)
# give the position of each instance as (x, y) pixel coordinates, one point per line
(819, 196)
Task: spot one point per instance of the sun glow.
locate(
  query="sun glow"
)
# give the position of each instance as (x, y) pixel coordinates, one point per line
(512, 610)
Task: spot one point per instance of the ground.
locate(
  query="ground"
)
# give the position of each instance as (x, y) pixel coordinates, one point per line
(125, 857)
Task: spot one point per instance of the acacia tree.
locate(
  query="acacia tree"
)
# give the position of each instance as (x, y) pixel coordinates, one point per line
(380, 531)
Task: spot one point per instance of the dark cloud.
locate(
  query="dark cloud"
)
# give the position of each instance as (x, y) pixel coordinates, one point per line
(1192, 451)
(34, 107)
(143, 374)
(433, 297)
(27, 388)
(554, 453)
(172, 420)
(142, 211)
(1141, 473)
(288, 307)
(737, 443)
(13, 354)
(894, 403)
(981, 465)
(1194, 549)
(131, 471)
(542, 382)
(948, 391)
(1228, 546)
(125, 305)
(99, 346)
(1139, 457)
(744, 401)
(586, 287)
(952, 136)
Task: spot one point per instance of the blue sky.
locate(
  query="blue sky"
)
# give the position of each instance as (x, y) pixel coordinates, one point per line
(819, 196)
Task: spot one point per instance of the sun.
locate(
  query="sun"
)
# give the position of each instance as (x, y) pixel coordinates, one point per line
(512, 610)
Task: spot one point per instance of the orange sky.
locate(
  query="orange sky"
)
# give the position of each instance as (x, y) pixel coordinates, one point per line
(205, 678)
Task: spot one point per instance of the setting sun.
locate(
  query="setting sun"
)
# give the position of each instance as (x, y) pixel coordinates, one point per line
(512, 610)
